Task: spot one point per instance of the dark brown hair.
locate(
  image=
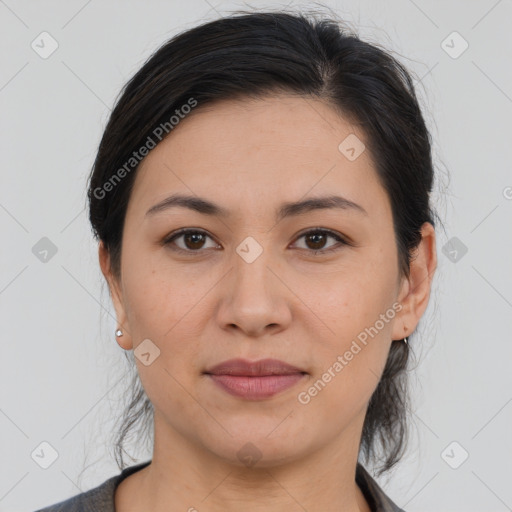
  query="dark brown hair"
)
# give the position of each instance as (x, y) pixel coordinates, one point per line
(257, 55)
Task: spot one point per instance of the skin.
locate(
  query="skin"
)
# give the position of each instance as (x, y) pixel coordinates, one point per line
(201, 309)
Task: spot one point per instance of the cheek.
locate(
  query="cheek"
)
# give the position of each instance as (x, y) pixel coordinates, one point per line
(349, 301)
(158, 296)
(169, 308)
(354, 310)
(161, 307)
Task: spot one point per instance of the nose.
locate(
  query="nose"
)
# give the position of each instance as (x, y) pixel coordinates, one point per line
(254, 298)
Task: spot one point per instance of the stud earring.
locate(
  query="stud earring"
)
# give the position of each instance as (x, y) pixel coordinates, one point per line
(119, 333)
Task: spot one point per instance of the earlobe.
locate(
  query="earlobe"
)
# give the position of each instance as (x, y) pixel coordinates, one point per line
(415, 290)
(116, 297)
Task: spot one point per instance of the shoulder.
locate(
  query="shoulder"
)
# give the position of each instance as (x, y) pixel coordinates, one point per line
(99, 499)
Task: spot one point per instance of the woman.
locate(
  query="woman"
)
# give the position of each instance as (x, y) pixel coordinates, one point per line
(261, 200)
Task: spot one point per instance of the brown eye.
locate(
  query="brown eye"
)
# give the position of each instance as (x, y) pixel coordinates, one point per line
(315, 240)
(192, 240)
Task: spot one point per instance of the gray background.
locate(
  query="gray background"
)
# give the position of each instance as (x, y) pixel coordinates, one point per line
(61, 369)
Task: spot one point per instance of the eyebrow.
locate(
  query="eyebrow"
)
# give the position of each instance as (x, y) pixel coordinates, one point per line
(207, 207)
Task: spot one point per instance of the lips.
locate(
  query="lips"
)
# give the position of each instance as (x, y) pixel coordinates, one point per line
(255, 380)
(260, 368)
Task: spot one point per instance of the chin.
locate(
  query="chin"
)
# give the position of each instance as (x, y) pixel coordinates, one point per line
(255, 446)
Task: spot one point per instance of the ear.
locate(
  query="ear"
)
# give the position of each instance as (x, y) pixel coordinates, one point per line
(116, 295)
(415, 290)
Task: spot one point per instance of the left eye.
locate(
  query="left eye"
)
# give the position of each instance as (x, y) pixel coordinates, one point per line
(318, 237)
(315, 240)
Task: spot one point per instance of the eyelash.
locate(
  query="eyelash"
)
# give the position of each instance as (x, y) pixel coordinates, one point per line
(173, 236)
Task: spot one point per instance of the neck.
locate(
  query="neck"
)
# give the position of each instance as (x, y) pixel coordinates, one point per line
(195, 480)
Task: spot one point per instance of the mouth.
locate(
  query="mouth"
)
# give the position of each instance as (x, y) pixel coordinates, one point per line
(255, 380)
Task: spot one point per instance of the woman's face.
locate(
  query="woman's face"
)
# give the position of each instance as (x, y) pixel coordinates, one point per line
(249, 285)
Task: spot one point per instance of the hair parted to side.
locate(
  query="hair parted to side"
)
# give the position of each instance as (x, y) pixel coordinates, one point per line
(256, 55)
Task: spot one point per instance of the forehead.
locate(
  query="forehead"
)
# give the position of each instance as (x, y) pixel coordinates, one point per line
(257, 151)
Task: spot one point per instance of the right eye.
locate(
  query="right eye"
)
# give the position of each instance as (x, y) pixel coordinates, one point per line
(193, 240)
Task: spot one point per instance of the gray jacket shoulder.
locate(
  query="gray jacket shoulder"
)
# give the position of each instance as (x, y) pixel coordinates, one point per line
(99, 499)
